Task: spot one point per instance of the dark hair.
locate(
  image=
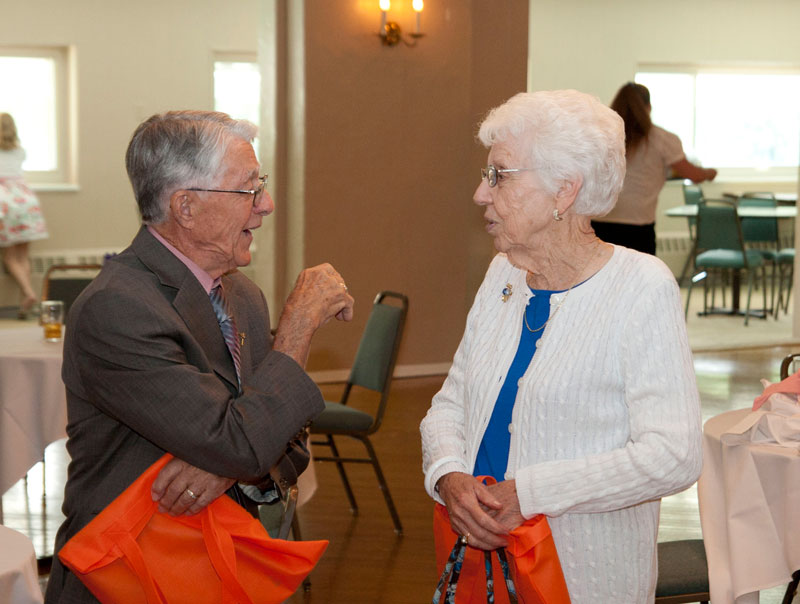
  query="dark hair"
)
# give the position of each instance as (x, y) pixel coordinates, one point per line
(632, 103)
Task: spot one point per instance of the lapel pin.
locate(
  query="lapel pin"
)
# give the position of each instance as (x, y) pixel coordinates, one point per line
(242, 336)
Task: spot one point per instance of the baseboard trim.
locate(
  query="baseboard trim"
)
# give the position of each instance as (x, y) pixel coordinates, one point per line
(332, 376)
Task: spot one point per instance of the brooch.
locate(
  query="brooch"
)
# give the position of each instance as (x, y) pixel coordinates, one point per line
(507, 291)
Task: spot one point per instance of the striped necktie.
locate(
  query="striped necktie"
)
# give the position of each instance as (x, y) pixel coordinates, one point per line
(227, 325)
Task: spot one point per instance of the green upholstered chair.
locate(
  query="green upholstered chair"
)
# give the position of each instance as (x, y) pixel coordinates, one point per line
(692, 195)
(66, 281)
(762, 233)
(784, 264)
(682, 572)
(719, 246)
(372, 370)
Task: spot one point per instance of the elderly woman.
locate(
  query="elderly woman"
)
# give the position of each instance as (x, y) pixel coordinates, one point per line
(573, 384)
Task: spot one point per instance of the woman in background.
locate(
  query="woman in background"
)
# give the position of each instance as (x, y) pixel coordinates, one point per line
(651, 154)
(21, 218)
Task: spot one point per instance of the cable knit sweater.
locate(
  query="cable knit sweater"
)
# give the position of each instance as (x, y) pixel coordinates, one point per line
(606, 421)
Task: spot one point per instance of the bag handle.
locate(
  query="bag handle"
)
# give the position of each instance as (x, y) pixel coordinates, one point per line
(487, 564)
(452, 570)
(219, 546)
(134, 558)
(512, 591)
(448, 582)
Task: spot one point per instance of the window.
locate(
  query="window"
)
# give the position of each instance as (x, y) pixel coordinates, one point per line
(37, 97)
(745, 123)
(237, 88)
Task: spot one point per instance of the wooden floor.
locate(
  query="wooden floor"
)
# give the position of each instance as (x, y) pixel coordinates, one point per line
(366, 561)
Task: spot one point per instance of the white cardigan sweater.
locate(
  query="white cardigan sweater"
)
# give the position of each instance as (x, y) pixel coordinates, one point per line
(606, 421)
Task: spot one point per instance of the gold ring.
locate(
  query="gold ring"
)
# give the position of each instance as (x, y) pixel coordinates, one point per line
(190, 494)
(465, 538)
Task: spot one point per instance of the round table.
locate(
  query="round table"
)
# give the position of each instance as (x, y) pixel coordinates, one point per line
(749, 497)
(19, 582)
(33, 405)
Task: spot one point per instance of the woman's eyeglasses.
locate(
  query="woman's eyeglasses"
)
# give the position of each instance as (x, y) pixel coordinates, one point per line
(490, 173)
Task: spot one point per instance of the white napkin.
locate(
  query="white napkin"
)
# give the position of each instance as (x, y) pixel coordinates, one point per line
(777, 421)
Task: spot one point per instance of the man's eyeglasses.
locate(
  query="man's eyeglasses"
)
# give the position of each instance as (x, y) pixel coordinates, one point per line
(490, 173)
(256, 193)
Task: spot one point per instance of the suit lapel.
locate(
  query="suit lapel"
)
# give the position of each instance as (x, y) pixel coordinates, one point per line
(190, 302)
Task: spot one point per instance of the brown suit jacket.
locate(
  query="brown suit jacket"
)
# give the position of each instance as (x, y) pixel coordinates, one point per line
(147, 371)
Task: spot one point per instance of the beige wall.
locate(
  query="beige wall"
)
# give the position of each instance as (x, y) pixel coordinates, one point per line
(391, 159)
(133, 59)
(595, 46)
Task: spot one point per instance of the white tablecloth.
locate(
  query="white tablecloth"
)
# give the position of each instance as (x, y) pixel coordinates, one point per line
(33, 408)
(19, 583)
(750, 513)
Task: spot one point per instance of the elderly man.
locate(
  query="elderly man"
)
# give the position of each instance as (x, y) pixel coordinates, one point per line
(169, 348)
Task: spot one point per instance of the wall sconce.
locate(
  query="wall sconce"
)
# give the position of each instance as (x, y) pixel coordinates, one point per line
(390, 32)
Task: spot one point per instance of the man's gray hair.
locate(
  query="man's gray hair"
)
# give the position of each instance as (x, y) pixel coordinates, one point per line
(566, 134)
(179, 149)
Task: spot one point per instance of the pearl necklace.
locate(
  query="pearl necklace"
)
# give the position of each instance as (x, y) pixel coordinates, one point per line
(555, 312)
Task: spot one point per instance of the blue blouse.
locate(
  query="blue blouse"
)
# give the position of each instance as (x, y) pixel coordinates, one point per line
(492, 457)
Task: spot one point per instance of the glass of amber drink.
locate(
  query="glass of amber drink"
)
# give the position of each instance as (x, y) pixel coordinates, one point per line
(52, 320)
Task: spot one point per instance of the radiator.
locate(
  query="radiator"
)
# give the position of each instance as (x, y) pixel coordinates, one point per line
(673, 247)
(43, 260)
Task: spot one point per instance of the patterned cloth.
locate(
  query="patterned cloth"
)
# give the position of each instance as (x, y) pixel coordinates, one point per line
(21, 217)
(228, 327)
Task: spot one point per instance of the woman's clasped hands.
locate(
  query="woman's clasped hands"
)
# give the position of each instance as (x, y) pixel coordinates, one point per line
(482, 514)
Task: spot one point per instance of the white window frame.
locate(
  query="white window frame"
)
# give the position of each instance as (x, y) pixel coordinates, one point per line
(734, 174)
(64, 176)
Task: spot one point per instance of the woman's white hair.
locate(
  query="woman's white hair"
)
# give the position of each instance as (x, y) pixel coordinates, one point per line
(179, 149)
(567, 134)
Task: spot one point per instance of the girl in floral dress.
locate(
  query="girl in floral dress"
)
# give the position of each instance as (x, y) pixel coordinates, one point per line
(21, 219)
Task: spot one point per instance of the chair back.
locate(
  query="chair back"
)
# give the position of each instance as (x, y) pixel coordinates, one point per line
(789, 364)
(692, 193)
(377, 352)
(760, 229)
(65, 282)
(692, 196)
(718, 226)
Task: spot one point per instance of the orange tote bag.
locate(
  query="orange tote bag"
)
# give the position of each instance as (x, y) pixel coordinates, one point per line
(133, 554)
(532, 557)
